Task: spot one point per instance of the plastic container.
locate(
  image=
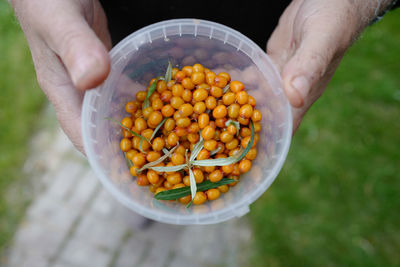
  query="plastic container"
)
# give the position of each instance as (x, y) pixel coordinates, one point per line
(144, 55)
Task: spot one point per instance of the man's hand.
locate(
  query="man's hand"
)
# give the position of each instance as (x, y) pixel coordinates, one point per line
(69, 42)
(309, 42)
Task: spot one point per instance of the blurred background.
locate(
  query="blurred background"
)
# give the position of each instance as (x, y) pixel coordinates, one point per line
(336, 201)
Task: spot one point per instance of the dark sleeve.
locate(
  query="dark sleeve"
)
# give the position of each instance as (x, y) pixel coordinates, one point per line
(253, 18)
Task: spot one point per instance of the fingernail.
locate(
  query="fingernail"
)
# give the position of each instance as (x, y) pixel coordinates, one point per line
(302, 85)
(80, 71)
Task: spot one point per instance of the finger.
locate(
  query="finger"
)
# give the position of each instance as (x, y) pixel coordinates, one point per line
(68, 34)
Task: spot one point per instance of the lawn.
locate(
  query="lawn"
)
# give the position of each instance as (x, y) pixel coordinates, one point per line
(337, 200)
(20, 103)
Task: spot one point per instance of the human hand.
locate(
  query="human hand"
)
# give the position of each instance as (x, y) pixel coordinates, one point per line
(68, 41)
(310, 41)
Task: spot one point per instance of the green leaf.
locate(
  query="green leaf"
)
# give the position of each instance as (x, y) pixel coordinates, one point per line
(158, 128)
(151, 90)
(169, 168)
(234, 123)
(226, 88)
(168, 73)
(215, 151)
(193, 186)
(196, 149)
(184, 191)
(128, 161)
(229, 160)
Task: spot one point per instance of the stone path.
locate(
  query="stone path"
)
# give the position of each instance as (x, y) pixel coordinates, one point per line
(73, 222)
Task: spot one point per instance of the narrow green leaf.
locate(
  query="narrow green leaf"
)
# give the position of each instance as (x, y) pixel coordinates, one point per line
(158, 128)
(196, 149)
(128, 161)
(226, 88)
(193, 186)
(234, 123)
(229, 160)
(126, 128)
(169, 168)
(168, 73)
(184, 191)
(215, 151)
(151, 90)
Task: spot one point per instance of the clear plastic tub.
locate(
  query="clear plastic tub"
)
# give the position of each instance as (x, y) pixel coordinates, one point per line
(144, 55)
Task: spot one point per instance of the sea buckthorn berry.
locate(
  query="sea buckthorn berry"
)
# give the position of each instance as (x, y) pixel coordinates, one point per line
(246, 111)
(126, 133)
(135, 142)
(179, 76)
(209, 169)
(167, 185)
(188, 70)
(203, 154)
(177, 115)
(257, 127)
(193, 137)
(203, 120)
(126, 144)
(158, 144)
(174, 71)
(228, 98)
(220, 112)
(220, 122)
(210, 145)
(169, 124)
(231, 129)
(181, 132)
(210, 77)
(236, 86)
(198, 78)
(203, 86)
(142, 180)
(141, 96)
(187, 95)
(186, 110)
(252, 154)
(199, 107)
(154, 96)
(199, 198)
(225, 137)
(147, 111)
(180, 185)
(220, 81)
(157, 104)
(198, 67)
(244, 165)
(242, 97)
(187, 83)
(166, 96)
(133, 170)
(215, 176)
(208, 132)
(186, 180)
(147, 133)
(131, 153)
(246, 140)
(174, 178)
(153, 156)
(176, 102)
(200, 94)
(177, 89)
(183, 122)
(211, 102)
(127, 122)
(227, 169)
(167, 110)
(155, 118)
(153, 177)
(180, 150)
(138, 113)
(131, 107)
(198, 175)
(172, 139)
(226, 75)
(152, 81)
(244, 131)
(243, 121)
(170, 83)
(216, 91)
(185, 200)
(161, 86)
(160, 189)
(236, 169)
(213, 194)
(257, 116)
(177, 159)
(233, 111)
(232, 144)
(139, 159)
(252, 101)
(223, 188)
(194, 128)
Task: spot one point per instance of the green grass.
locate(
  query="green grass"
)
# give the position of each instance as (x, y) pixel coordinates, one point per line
(337, 200)
(20, 103)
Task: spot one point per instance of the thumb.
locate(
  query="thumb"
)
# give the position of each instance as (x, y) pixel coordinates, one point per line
(83, 54)
(310, 61)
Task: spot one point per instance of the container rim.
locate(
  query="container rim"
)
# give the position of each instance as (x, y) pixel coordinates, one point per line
(236, 210)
